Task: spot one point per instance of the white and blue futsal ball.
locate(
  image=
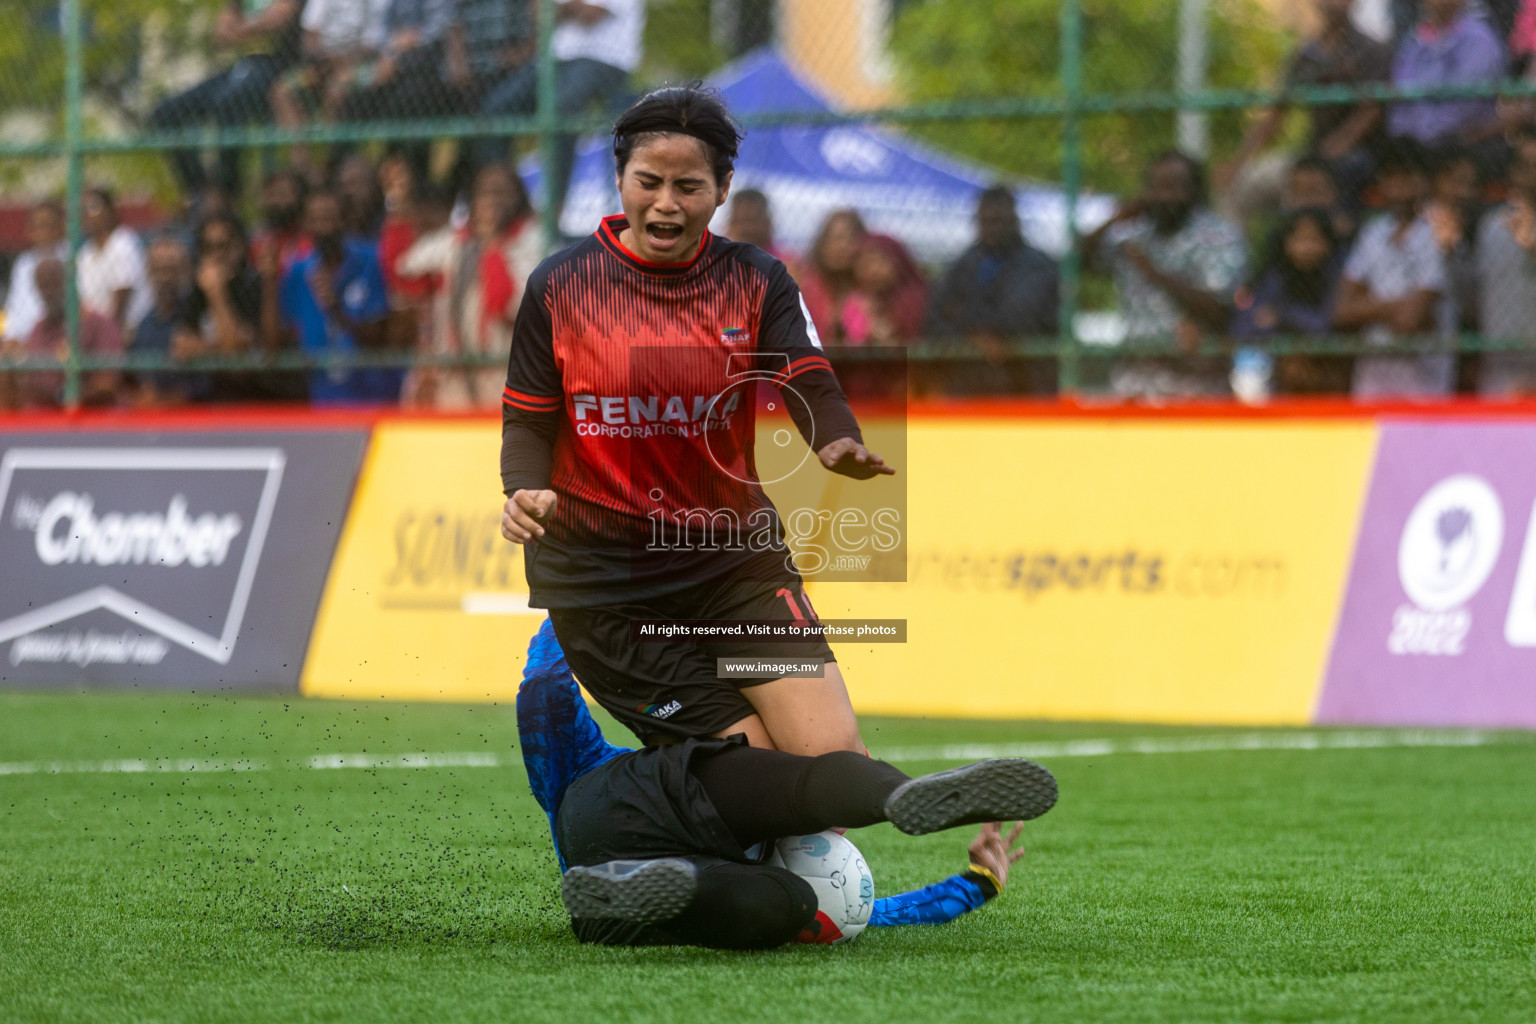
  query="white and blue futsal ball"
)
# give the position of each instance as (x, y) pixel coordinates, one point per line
(845, 890)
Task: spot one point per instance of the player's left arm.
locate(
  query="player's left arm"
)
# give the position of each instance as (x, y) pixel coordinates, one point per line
(812, 394)
(942, 902)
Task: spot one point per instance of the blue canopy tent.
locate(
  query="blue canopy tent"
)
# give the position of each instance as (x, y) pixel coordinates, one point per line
(900, 186)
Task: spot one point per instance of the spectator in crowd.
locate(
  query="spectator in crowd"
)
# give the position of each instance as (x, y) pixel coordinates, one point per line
(486, 43)
(362, 198)
(889, 299)
(23, 304)
(1176, 265)
(596, 46)
(333, 302)
(1450, 46)
(282, 215)
(1310, 184)
(1506, 281)
(1293, 294)
(49, 339)
(415, 277)
(1394, 276)
(827, 277)
(751, 221)
(406, 77)
(1000, 289)
(1345, 135)
(485, 275)
(223, 316)
(267, 31)
(157, 333)
(341, 43)
(1453, 211)
(110, 264)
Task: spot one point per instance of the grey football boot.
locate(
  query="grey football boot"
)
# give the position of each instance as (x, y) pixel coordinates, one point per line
(1000, 789)
(642, 891)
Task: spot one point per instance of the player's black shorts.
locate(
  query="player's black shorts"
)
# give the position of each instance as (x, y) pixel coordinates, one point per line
(667, 690)
(647, 804)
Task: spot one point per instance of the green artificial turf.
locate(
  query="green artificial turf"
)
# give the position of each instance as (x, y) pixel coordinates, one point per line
(1298, 885)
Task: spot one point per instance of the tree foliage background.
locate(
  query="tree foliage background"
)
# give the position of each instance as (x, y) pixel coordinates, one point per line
(986, 49)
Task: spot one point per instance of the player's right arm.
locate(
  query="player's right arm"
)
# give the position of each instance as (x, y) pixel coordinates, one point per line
(531, 406)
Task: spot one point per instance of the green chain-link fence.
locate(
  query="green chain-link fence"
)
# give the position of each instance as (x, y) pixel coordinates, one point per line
(900, 111)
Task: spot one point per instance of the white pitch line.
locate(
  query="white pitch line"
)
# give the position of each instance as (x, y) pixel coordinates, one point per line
(953, 752)
(1198, 744)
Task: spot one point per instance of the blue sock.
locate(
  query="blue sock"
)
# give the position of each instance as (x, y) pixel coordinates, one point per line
(560, 740)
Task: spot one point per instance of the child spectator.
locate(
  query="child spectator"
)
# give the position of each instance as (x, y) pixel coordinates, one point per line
(827, 277)
(110, 265)
(49, 339)
(1393, 278)
(1293, 294)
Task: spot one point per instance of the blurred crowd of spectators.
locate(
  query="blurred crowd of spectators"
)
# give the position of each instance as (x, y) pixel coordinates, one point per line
(1411, 219)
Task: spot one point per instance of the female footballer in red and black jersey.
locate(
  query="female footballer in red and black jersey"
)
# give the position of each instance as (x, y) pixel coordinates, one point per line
(627, 444)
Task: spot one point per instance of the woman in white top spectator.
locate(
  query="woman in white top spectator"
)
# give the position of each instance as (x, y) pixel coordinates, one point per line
(110, 267)
(23, 303)
(485, 266)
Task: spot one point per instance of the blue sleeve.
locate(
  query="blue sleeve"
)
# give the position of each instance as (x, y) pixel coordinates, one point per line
(939, 903)
(287, 298)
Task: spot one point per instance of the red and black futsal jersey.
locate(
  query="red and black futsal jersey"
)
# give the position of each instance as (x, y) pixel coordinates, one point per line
(631, 392)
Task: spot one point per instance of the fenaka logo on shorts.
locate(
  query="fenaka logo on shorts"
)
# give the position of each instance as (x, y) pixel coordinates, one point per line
(660, 710)
(1449, 547)
(167, 539)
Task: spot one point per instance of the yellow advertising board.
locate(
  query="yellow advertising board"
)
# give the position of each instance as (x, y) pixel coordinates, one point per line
(1135, 569)
(424, 601)
(1120, 568)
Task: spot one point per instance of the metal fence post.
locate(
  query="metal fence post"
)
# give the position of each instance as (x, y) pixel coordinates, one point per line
(1068, 368)
(549, 124)
(74, 77)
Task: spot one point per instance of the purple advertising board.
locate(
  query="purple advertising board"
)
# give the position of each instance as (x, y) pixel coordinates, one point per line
(1438, 626)
(186, 560)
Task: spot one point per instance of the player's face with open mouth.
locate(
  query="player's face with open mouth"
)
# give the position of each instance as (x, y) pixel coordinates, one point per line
(669, 193)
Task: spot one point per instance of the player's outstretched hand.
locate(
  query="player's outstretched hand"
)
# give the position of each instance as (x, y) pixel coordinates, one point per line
(850, 458)
(991, 851)
(524, 514)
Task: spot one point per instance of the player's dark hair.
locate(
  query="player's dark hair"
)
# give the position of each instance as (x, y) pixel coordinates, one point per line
(1194, 168)
(692, 109)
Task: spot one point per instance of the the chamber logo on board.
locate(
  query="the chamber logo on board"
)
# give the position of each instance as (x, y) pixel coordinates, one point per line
(167, 541)
(1449, 547)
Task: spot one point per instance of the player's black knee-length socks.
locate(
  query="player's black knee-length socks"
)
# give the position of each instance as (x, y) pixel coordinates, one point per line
(766, 794)
(743, 906)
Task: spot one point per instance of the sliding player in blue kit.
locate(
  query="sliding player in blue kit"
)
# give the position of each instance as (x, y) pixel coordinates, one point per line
(665, 845)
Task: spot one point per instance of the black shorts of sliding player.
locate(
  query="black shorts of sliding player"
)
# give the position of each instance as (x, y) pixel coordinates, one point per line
(670, 689)
(736, 906)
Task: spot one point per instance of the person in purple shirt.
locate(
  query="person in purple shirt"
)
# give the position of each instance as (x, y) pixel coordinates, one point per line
(1449, 47)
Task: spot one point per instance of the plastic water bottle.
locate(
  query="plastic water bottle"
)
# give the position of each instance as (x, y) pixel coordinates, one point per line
(1253, 372)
